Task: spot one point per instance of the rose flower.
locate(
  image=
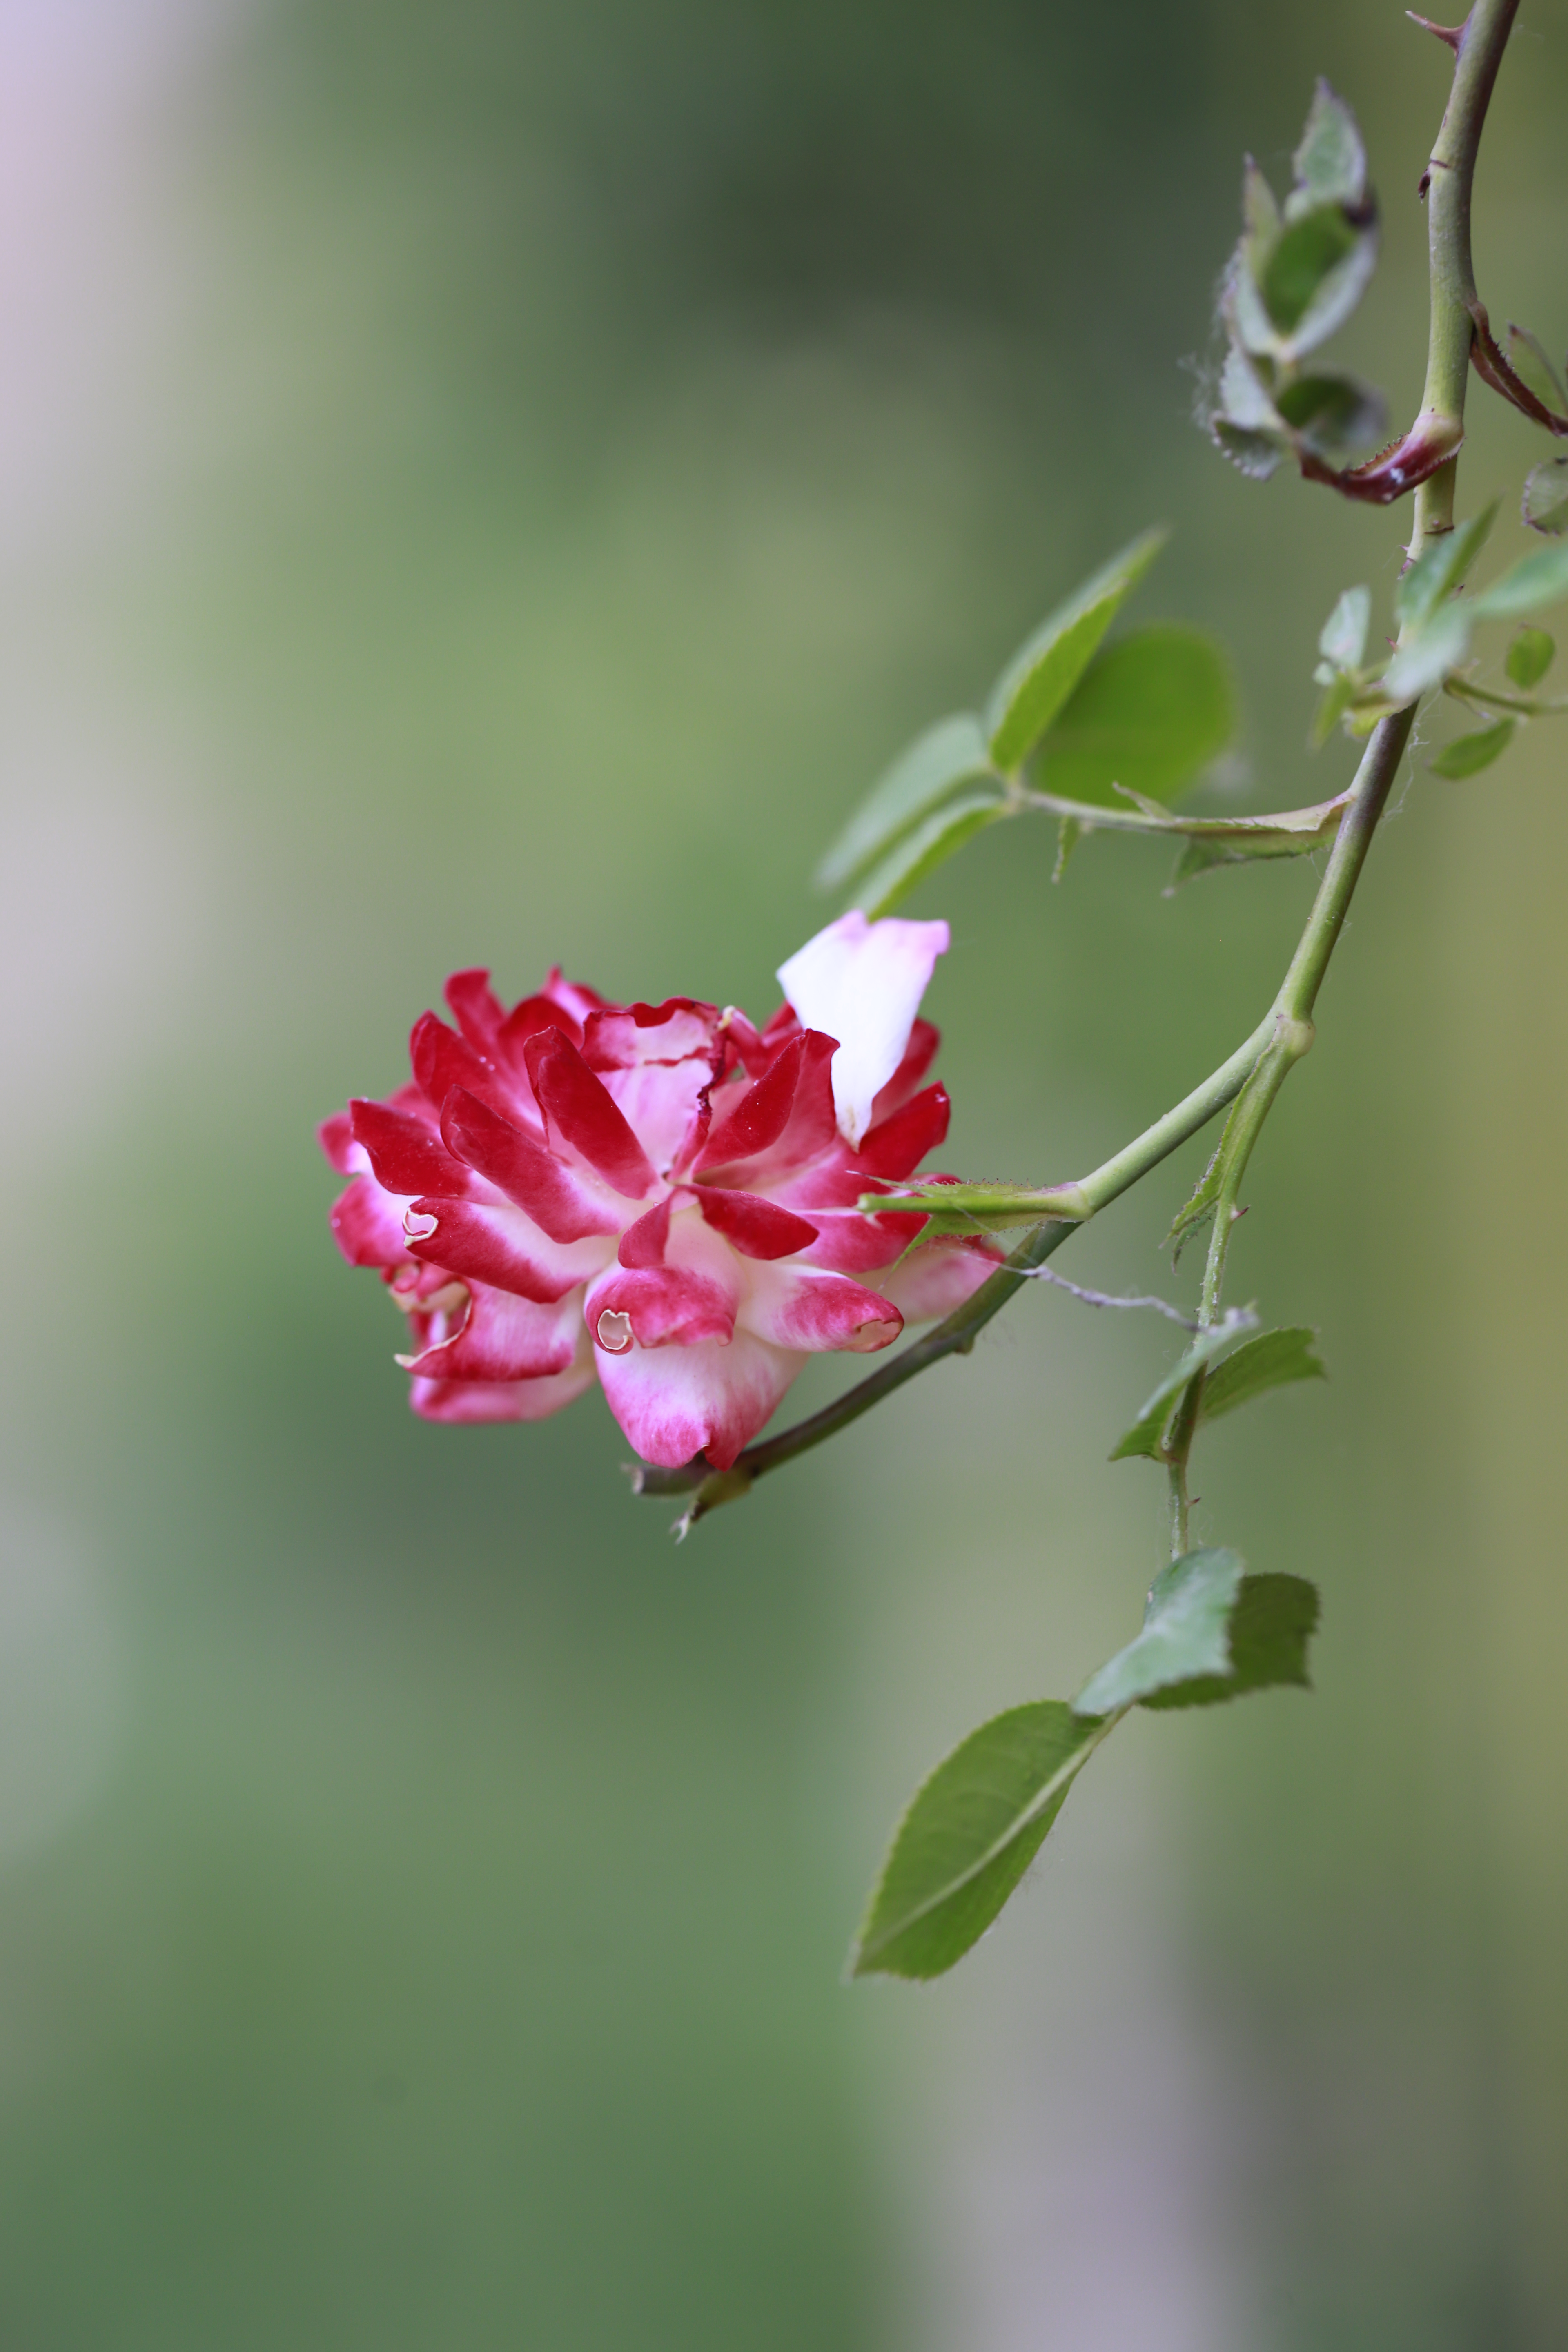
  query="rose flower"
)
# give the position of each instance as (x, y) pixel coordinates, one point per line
(659, 1195)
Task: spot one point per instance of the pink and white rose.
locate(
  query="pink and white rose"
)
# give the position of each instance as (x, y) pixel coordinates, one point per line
(661, 1197)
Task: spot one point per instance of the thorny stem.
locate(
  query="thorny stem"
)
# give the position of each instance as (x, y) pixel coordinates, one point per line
(1254, 1074)
(1447, 184)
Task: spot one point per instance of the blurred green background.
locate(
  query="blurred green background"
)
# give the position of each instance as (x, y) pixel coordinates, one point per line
(492, 484)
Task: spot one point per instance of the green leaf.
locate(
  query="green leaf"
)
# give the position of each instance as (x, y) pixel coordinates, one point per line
(1440, 567)
(1148, 714)
(1343, 639)
(1545, 503)
(947, 756)
(1144, 1438)
(1306, 254)
(1254, 454)
(931, 844)
(1244, 397)
(1332, 704)
(1041, 675)
(1536, 370)
(1186, 1634)
(1268, 1361)
(1430, 657)
(1259, 212)
(1337, 290)
(1529, 657)
(1467, 755)
(1534, 580)
(970, 1833)
(1242, 306)
(1273, 1619)
(1333, 413)
(1247, 425)
(1330, 164)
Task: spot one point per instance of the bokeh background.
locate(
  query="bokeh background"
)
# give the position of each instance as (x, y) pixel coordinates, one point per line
(493, 483)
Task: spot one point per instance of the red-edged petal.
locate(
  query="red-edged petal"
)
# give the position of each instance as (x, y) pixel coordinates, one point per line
(796, 1308)
(743, 1042)
(847, 1242)
(787, 1117)
(624, 1037)
(504, 1338)
(896, 1146)
(667, 1307)
(405, 1157)
(443, 1060)
(756, 1118)
(941, 1276)
(499, 1246)
(644, 1244)
(475, 1008)
(676, 1402)
(755, 1227)
(530, 1019)
(481, 1400)
(576, 1107)
(780, 1027)
(553, 1195)
(367, 1224)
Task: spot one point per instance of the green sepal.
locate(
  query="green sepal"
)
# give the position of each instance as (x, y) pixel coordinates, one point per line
(1042, 674)
(1269, 1360)
(1185, 1634)
(1529, 657)
(1271, 1623)
(972, 1829)
(941, 762)
(1144, 1437)
(931, 844)
(1545, 506)
(1467, 755)
(1149, 714)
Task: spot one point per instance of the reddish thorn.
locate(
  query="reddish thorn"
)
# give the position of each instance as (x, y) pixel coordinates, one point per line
(1452, 35)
